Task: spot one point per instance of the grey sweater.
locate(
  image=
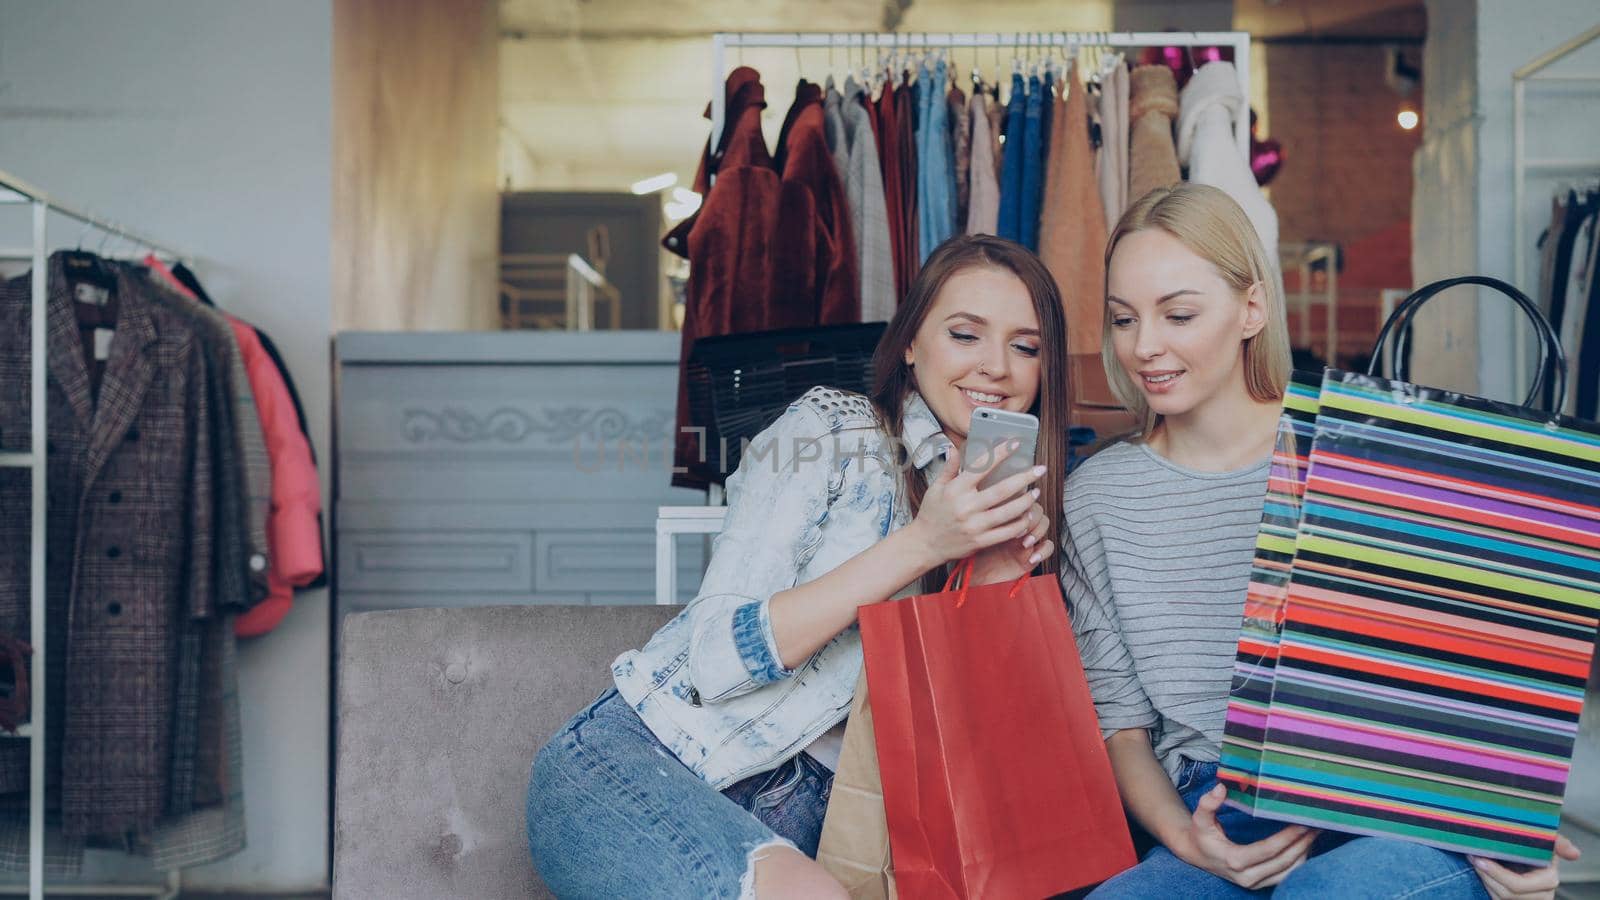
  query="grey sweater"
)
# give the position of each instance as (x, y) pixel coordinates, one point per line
(1156, 562)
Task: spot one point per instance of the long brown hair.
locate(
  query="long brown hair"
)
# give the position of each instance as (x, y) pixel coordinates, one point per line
(893, 380)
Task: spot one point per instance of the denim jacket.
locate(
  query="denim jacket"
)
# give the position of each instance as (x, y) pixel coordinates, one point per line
(815, 489)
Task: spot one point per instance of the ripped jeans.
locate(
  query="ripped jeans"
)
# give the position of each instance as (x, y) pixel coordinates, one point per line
(612, 813)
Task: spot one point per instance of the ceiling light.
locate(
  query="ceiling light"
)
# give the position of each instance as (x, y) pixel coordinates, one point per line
(1407, 118)
(655, 183)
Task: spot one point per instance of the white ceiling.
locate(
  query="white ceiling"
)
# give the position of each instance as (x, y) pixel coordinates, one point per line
(597, 94)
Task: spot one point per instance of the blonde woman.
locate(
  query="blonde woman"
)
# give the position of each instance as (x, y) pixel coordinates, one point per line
(1160, 533)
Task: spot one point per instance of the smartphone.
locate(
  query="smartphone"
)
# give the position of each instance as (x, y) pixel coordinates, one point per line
(989, 431)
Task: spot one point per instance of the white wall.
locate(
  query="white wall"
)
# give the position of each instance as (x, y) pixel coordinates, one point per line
(1462, 218)
(1561, 122)
(206, 123)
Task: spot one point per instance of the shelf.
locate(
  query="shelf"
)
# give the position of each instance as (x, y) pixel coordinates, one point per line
(16, 460)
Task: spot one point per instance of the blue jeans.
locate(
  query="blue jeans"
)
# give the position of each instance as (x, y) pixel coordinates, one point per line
(1032, 164)
(1343, 866)
(1009, 225)
(612, 813)
(935, 188)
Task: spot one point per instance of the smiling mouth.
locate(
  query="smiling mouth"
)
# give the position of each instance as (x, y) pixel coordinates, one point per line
(981, 397)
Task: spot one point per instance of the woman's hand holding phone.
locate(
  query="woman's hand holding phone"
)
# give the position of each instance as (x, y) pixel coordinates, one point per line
(958, 519)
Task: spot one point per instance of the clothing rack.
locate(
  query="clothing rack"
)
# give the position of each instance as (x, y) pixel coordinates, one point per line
(15, 191)
(1522, 165)
(1031, 41)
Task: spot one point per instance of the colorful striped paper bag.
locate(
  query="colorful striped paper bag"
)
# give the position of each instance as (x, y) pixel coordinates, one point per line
(1440, 622)
(1257, 654)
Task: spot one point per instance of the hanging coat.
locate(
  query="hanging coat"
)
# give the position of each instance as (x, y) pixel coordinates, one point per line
(294, 534)
(815, 278)
(887, 127)
(1208, 148)
(1152, 105)
(130, 538)
(984, 200)
(905, 115)
(869, 218)
(1112, 164)
(294, 521)
(728, 243)
(1072, 232)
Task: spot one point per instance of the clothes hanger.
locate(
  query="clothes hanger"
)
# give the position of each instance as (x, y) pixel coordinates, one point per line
(88, 267)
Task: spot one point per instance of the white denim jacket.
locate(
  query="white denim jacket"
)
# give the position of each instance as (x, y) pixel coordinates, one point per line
(816, 488)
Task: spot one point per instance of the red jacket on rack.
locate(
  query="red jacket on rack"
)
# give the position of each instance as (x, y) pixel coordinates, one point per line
(815, 269)
(729, 243)
(294, 534)
(294, 530)
(886, 128)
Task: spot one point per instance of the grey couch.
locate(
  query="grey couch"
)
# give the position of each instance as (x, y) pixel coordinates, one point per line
(440, 713)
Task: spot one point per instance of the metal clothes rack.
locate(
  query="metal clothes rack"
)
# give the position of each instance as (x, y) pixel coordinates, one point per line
(1031, 41)
(1522, 165)
(1301, 257)
(15, 191)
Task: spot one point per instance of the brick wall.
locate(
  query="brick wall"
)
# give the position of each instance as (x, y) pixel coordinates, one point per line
(1347, 171)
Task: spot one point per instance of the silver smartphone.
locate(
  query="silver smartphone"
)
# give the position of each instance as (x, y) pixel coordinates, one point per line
(989, 431)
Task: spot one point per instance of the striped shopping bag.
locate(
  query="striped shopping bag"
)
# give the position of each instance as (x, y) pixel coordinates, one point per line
(1440, 617)
(1257, 654)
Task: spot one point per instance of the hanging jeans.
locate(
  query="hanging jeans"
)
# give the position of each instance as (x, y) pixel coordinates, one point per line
(1010, 225)
(936, 219)
(1033, 164)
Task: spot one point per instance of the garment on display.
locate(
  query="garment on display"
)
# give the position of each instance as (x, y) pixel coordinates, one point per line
(293, 524)
(1569, 295)
(809, 233)
(179, 514)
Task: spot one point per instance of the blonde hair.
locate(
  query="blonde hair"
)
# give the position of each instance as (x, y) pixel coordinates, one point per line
(1216, 229)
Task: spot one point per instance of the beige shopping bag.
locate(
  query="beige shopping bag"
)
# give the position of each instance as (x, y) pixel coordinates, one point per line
(855, 834)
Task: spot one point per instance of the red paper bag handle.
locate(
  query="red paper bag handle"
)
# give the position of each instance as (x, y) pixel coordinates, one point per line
(964, 569)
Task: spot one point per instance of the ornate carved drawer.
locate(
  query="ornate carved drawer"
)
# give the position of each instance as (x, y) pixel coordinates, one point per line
(504, 468)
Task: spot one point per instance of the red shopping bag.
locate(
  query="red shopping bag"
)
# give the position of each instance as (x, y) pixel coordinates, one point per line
(996, 782)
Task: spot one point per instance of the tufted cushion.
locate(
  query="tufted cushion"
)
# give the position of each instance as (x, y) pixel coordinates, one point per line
(440, 714)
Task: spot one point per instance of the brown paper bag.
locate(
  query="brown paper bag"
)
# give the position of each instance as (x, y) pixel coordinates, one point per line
(855, 835)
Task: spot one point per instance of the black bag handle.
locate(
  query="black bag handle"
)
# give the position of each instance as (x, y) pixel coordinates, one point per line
(1549, 343)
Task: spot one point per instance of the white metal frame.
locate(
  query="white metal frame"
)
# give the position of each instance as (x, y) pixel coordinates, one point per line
(1303, 256)
(15, 191)
(1521, 165)
(1025, 40)
(672, 521)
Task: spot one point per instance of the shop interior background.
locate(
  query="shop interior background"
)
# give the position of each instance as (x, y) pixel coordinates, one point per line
(394, 166)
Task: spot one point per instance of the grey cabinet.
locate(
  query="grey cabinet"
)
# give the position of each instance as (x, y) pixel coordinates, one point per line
(504, 468)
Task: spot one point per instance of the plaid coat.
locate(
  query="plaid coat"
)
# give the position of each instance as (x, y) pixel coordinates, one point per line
(129, 554)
